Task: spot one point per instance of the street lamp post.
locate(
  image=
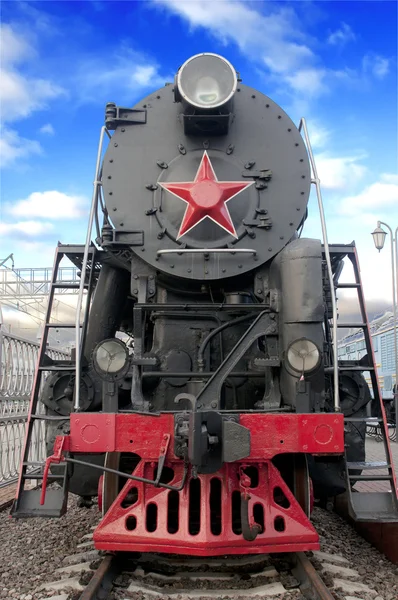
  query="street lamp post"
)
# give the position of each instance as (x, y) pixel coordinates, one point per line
(379, 236)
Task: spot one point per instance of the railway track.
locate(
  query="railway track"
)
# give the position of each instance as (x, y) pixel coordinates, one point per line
(149, 577)
(236, 578)
(87, 574)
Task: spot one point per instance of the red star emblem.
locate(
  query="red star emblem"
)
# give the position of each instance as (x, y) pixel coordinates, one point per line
(205, 196)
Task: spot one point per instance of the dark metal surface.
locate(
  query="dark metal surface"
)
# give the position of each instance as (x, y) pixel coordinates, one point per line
(154, 482)
(311, 585)
(264, 324)
(101, 583)
(261, 133)
(176, 571)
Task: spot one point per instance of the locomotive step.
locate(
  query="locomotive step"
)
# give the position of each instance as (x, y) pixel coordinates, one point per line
(374, 506)
(348, 285)
(61, 325)
(351, 325)
(340, 248)
(351, 368)
(48, 417)
(370, 477)
(368, 465)
(39, 476)
(28, 504)
(56, 368)
(368, 420)
(68, 286)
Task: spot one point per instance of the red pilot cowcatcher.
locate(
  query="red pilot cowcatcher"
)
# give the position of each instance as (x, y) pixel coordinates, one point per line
(203, 517)
(205, 196)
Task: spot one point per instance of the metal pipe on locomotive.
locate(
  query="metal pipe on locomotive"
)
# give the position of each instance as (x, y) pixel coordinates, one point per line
(209, 425)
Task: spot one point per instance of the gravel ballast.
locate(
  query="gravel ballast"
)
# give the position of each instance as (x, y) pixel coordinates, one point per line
(32, 549)
(340, 539)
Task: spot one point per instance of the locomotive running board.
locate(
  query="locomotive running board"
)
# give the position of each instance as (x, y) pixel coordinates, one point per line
(367, 506)
(55, 502)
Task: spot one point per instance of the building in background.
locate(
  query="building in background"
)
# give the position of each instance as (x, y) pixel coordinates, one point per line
(352, 347)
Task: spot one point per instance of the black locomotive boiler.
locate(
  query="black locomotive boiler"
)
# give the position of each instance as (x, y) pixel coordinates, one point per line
(203, 389)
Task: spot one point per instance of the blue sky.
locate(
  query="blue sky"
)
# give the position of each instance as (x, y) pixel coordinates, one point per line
(333, 62)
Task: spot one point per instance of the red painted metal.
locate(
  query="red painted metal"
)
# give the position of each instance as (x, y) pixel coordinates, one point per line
(125, 527)
(205, 196)
(316, 434)
(55, 458)
(284, 528)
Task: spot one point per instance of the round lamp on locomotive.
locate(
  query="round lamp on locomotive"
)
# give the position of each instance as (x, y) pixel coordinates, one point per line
(303, 356)
(111, 358)
(206, 81)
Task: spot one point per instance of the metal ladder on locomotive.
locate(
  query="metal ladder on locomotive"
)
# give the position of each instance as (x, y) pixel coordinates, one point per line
(378, 505)
(30, 502)
(27, 503)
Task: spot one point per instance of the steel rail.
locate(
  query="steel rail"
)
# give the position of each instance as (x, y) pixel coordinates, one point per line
(311, 585)
(101, 584)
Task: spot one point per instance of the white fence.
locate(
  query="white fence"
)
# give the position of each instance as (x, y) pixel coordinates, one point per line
(18, 363)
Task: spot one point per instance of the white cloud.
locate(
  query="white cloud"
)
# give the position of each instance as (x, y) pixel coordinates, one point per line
(308, 81)
(319, 134)
(338, 173)
(47, 129)
(49, 205)
(390, 178)
(375, 266)
(342, 36)
(20, 94)
(273, 36)
(14, 148)
(13, 48)
(125, 74)
(27, 228)
(378, 196)
(376, 65)
(145, 74)
(274, 39)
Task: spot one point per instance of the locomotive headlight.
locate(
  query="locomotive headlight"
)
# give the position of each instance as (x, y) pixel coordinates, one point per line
(303, 356)
(110, 357)
(206, 81)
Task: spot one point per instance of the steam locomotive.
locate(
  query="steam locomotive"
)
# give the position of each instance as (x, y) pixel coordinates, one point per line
(204, 394)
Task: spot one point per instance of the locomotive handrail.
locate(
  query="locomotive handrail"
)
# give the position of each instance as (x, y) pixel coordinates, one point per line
(93, 210)
(207, 251)
(315, 180)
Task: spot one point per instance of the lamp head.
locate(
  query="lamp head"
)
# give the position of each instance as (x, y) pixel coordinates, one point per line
(379, 237)
(206, 81)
